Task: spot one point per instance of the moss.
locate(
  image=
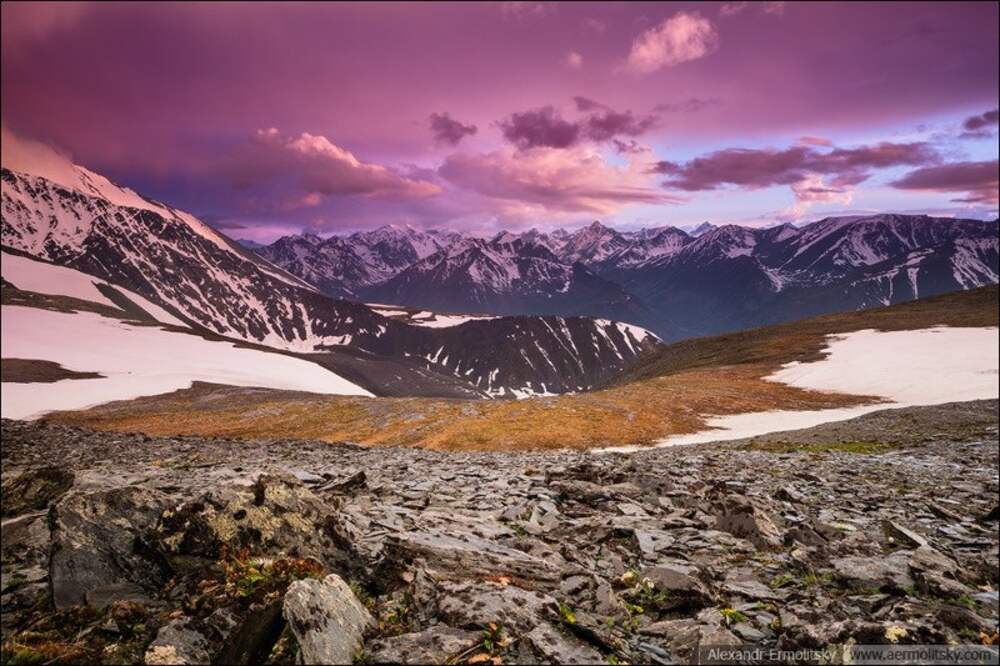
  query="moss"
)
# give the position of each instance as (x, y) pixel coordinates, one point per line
(858, 448)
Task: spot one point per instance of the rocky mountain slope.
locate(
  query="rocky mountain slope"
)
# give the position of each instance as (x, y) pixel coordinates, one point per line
(678, 284)
(879, 531)
(78, 219)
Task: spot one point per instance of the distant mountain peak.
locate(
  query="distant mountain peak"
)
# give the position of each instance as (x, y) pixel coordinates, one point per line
(702, 228)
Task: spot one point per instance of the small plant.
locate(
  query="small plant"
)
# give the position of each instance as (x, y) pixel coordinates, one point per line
(781, 580)
(732, 616)
(257, 577)
(566, 613)
(494, 638)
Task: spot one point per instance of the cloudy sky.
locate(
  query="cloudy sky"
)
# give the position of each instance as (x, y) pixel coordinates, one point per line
(265, 119)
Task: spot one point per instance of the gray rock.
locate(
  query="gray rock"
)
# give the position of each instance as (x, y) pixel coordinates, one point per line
(33, 490)
(741, 517)
(327, 620)
(480, 603)
(897, 534)
(97, 553)
(891, 571)
(435, 645)
(470, 555)
(177, 643)
(680, 588)
(274, 516)
(558, 648)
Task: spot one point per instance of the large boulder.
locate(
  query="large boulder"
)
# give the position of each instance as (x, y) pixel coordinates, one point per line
(327, 620)
(101, 546)
(33, 490)
(277, 515)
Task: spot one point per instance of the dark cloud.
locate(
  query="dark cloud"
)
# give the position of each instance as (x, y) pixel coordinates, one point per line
(690, 105)
(977, 127)
(542, 127)
(753, 168)
(606, 125)
(587, 104)
(448, 130)
(628, 147)
(978, 181)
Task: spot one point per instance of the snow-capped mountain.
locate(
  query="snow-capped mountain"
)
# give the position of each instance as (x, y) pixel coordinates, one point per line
(78, 219)
(342, 266)
(592, 244)
(713, 279)
(506, 275)
(734, 277)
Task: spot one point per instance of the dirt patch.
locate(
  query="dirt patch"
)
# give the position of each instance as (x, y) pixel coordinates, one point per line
(28, 370)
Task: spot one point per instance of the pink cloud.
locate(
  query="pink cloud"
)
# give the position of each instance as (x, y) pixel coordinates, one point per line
(814, 141)
(563, 181)
(574, 59)
(678, 39)
(320, 168)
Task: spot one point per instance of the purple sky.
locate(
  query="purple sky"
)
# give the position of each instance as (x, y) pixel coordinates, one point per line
(490, 115)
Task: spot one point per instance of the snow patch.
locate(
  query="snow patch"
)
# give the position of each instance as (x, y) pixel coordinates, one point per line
(137, 361)
(906, 368)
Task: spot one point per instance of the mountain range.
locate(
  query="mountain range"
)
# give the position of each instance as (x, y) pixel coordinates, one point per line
(77, 219)
(676, 283)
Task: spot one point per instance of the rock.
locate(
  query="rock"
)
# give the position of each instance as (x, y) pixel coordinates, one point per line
(741, 517)
(653, 541)
(559, 648)
(327, 620)
(684, 637)
(34, 490)
(926, 558)
(899, 535)
(100, 546)
(875, 572)
(350, 484)
(277, 515)
(480, 603)
(435, 645)
(177, 643)
(745, 585)
(249, 637)
(680, 589)
(469, 555)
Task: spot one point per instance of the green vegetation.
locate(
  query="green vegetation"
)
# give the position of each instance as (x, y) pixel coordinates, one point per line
(732, 616)
(860, 448)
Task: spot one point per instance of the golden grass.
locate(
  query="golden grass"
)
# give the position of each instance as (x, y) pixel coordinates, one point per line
(635, 414)
(674, 393)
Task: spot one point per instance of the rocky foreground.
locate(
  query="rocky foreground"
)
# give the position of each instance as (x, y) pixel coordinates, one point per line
(123, 548)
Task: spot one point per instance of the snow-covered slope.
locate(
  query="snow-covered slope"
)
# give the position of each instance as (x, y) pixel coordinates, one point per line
(136, 360)
(905, 368)
(44, 278)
